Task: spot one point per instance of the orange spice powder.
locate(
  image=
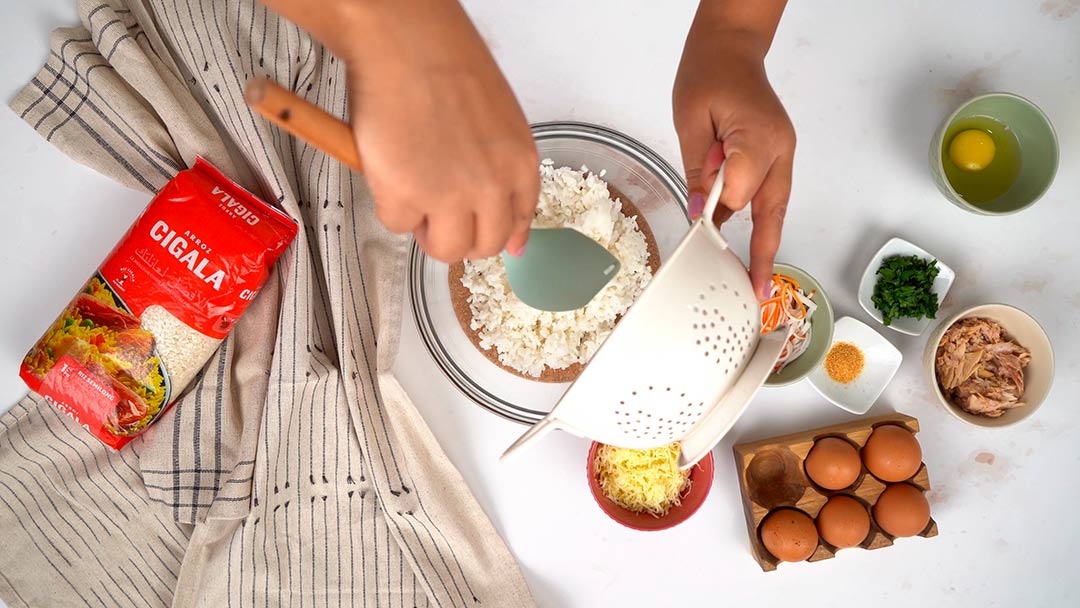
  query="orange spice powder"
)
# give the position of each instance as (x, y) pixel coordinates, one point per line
(844, 362)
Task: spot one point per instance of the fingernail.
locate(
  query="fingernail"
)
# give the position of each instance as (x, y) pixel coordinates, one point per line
(520, 251)
(696, 205)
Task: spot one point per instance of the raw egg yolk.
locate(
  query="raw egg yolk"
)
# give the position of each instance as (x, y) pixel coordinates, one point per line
(972, 150)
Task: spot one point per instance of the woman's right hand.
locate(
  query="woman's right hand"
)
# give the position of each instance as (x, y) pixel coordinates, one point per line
(446, 149)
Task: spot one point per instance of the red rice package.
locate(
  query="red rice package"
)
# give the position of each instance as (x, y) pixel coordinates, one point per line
(159, 305)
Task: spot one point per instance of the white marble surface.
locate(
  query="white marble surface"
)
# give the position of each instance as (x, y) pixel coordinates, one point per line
(865, 84)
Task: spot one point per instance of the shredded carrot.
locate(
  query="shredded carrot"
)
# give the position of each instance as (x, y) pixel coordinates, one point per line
(788, 305)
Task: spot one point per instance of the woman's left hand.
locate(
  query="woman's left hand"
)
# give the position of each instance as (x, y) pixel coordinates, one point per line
(725, 109)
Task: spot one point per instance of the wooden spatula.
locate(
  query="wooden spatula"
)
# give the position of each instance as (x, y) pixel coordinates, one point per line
(561, 268)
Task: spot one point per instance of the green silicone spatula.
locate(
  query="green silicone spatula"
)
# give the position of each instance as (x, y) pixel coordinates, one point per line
(561, 269)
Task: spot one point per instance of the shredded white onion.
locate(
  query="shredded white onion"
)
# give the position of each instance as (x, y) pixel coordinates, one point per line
(791, 314)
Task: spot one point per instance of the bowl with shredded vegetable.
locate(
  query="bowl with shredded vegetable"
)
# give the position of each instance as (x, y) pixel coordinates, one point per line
(798, 301)
(644, 489)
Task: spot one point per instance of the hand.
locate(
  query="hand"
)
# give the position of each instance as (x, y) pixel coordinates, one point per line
(446, 149)
(724, 108)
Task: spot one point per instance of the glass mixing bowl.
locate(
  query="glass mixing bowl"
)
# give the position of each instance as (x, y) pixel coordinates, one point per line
(632, 169)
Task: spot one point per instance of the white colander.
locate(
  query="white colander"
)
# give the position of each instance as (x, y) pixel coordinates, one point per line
(682, 364)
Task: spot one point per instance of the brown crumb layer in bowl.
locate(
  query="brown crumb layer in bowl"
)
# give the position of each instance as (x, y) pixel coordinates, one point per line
(459, 298)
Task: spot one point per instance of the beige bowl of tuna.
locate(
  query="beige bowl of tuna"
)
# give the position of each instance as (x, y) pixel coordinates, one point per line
(994, 368)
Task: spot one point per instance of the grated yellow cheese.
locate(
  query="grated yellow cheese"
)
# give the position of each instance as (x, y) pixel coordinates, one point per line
(643, 481)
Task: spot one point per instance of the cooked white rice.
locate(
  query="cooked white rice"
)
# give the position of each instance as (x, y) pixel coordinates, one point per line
(183, 350)
(527, 339)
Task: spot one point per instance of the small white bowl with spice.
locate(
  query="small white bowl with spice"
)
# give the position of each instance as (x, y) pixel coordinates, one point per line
(858, 366)
(908, 289)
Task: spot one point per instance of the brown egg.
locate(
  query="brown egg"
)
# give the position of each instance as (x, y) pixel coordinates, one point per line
(789, 535)
(902, 510)
(892, 453)
(843, 522)
(833, 463)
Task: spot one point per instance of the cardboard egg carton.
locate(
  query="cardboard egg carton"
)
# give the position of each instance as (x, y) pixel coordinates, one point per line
(772, 476)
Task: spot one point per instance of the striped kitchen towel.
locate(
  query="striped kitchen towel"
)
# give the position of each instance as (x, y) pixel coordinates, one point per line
(296, 472)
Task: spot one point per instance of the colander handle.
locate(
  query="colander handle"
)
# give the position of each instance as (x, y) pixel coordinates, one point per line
(713, 200)
(723, 415)
(531, 436)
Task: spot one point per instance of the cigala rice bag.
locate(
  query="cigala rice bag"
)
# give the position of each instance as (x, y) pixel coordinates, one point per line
(157, 308)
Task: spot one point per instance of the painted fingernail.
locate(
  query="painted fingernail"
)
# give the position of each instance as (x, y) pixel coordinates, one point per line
(520, 251)
(696, 205)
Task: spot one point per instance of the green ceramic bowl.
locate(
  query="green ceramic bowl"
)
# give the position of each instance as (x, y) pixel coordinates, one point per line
(821, 325)
(1038, 151)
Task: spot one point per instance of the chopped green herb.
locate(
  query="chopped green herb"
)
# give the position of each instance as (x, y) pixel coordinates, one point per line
(905, 288)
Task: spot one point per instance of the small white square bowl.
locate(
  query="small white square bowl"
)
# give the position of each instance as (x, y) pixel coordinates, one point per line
(898, 246)
(882, 359)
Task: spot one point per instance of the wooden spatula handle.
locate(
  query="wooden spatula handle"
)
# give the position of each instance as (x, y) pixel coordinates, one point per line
(303, 119)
